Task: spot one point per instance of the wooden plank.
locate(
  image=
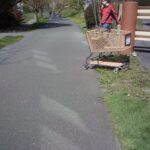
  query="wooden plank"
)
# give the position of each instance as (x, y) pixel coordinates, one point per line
(142, 33)
(143, 11)
(143, 17)
(142, 39)
(145, 30)
(142, 36)
(143, 14)
(106, 64)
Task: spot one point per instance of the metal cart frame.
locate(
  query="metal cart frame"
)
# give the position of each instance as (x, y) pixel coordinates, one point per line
(104, 43)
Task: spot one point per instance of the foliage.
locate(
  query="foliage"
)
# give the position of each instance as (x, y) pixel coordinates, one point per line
(8, 13)
(7, 4)
(75, 3)
(42, 22)
(69, 12)
(27, 16)
(36, 6)
(77, 16)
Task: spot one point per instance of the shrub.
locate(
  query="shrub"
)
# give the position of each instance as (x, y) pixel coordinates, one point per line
(9, 15)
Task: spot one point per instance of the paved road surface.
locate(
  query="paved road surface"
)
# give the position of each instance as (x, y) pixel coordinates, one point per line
(47, 102)
(144, 53)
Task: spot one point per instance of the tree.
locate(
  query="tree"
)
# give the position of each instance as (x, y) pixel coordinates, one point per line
(9, 15)
(77, 4)
(37, 6)
(144, 2)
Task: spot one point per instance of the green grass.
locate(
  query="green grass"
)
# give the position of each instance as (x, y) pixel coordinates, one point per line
(27, 17)
(79, 19)
(77, 16)
(131, 120)
(127, 97)
(69, 12)
(42, 21)
(7, 40)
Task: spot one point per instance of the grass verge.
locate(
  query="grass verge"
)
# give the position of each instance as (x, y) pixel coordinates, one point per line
(7, 40)
(27, 17)
(42, 21)
(127, 97)
(77, 16)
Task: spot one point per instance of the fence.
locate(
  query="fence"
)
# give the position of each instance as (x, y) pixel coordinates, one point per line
(143, 14)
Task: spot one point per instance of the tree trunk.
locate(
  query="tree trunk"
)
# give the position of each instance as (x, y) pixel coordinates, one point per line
(41, 12)
(37, 17)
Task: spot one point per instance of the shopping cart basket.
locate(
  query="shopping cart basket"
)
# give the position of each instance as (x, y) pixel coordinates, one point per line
(105, 43)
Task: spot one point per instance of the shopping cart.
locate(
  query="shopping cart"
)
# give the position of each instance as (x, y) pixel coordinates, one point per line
(105, 44)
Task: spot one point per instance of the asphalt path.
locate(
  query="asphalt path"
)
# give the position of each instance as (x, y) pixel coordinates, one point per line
(143, 48)
(143, 53)
(47, 101)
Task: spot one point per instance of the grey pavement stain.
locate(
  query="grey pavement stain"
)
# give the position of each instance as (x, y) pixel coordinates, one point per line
(40, 52)
(44, 61)
(64, 112)
(42, 58)
(85, 43)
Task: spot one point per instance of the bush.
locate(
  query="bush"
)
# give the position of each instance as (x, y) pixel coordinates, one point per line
(27, 9)
(9, 19)
(9, 15)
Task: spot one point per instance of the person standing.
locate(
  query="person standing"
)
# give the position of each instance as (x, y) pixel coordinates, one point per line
(107, 13)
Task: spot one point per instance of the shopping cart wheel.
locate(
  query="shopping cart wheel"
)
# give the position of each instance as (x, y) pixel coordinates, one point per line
(85, 67)
(115, 70)
(125, 67)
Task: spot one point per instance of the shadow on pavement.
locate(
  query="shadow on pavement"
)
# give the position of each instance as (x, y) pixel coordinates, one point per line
(147, 24)
(142, 49)
(20, 28)
(54, 23)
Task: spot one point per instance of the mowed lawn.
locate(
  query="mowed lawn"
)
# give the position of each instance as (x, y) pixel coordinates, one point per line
(7, 40)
